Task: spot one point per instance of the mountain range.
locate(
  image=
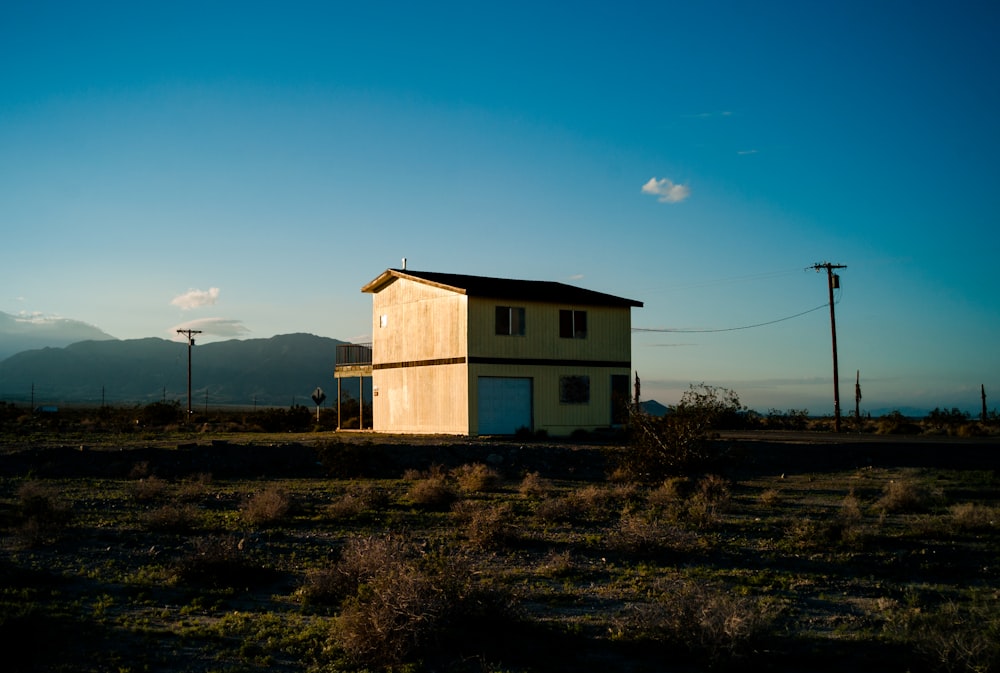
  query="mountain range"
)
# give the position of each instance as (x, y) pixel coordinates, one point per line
(278, 371)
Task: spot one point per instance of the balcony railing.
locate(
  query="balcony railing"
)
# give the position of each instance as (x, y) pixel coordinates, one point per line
(354, 355)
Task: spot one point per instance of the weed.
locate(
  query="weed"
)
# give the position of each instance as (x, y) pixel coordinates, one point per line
(533, 485)
(476, 478)
(267, 507)
(486, 526)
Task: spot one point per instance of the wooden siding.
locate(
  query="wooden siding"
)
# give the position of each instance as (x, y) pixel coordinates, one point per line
(421, 400)
(422, 323)
(418, 360)
(549, 414)
(609, 335)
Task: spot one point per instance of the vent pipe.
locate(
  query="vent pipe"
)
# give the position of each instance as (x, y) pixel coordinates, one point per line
(404, 264)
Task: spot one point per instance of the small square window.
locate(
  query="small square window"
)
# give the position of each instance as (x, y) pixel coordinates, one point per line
(510, 320)
(383, 320)
(574, 389)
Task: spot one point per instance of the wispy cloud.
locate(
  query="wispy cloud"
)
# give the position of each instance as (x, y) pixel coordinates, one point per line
(745, 152)
(195, 298)
(666, 190)
(224, 327)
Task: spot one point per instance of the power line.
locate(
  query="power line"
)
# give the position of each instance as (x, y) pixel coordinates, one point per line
(725, 329)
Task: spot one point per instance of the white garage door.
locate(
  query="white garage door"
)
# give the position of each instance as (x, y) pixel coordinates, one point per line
(504, 405)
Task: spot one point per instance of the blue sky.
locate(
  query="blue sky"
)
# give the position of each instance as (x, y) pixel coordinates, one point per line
(251, 165)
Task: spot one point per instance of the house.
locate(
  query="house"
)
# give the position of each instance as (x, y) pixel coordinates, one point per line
(470, 355)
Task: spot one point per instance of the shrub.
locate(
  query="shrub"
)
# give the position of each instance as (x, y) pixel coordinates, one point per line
(705, 621)
(533, 485)
(147, 488)
(432, 490)
(220, 561)
(409, 600)
(174, 518)
(476, 478)
(358, 498)
(266, 507)
(905, 495)
(951, 637)
(41, 515)
(679, 442)
(486, 526)
(638, 533)
(971, 516)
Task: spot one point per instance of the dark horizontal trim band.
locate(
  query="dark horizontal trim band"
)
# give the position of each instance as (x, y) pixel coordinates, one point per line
(548, 362)
(485, 360)
(420, 363)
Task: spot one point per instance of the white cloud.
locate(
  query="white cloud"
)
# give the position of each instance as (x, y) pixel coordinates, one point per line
(195, 298)
(224, 327)
(666, 191)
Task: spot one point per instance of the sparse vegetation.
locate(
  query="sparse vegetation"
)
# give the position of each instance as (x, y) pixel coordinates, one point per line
(361, 553)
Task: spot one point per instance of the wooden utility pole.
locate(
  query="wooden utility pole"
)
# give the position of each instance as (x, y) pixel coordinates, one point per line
(857, 399)
(833, 282)
(190, 339)
(982, 391)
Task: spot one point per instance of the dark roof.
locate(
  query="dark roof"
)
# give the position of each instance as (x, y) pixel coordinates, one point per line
(503, 288)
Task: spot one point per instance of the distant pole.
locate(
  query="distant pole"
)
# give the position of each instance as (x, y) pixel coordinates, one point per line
(857, 399)
(190, 339)
(636, 389)
(833, 281)
(982, 414)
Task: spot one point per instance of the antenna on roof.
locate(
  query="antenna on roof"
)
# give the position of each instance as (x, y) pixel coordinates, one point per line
(404, 264)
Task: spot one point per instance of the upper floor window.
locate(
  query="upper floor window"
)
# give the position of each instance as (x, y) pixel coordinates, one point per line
(572, 324)
(510, 320)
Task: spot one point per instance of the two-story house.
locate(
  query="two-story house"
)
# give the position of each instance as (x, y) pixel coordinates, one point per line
(470, 355)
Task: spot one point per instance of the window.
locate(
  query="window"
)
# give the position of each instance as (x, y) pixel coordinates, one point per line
(574, 389)
(383, 320)
(572, 324)
(510, 320)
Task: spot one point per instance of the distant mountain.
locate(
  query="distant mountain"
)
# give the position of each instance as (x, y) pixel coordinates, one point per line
(653, 408)
(278, 371)
(21, 334)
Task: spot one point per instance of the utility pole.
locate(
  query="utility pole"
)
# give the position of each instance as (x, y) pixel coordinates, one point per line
(833, 282)
(982, 391)
(190, 339)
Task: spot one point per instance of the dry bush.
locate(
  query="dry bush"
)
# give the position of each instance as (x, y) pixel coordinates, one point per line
(533, 485)
(361, 559)
(359, 498)
(971, 516)
(905, 495)
(432, 491)
(220, 561)
(556, 509)
(710, 499)
(640, 533)
(41, 514)
(770, 497)
(405, 603)
(951, 637)
(558, 564)
(595, 502)
(194, 487)
(176, 518)
(707, 622)
(476, 478)
(672, 491)
(147, 488)
(486, 525)
(267, 507)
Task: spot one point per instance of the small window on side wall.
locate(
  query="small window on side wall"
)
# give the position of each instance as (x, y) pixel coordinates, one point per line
(574, 389)
(572, 324)
(510, 320)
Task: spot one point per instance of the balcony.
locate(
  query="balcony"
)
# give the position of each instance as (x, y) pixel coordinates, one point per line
(353, 360)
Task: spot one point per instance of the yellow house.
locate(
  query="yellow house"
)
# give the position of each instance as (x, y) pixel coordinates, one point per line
(470, 355)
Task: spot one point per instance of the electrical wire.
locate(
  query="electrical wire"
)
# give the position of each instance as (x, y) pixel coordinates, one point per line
(732, 329)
